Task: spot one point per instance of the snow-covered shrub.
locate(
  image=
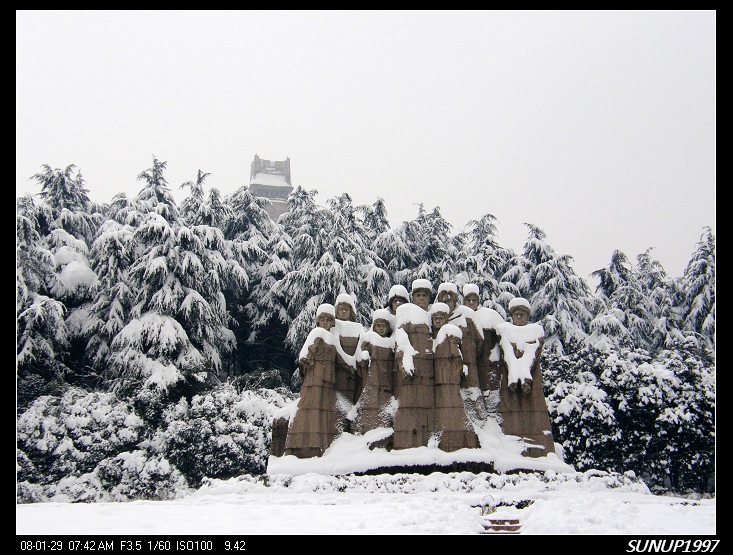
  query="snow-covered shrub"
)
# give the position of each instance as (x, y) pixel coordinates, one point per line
(27, 492)
(69, 435)
(222, 433)
(140, 475)
(78, 489)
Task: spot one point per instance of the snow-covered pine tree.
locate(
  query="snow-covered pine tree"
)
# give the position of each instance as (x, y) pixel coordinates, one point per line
(41, 336)
(561, 301)
(69, 228)
(374, 219)
(178, 334)
(659, 293)
(483, 260)
(264, 318)
(582, 413)
(316, 276)
(684, 443)
(156, 195)
(191, 205)
(698, 287)
(437, 257)
(65, 192)
(112, 256)
(365, 277)
(392, 247)
(258, 245)
(608, 329)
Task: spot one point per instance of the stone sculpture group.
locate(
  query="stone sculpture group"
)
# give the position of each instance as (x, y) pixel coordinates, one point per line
(432, 373)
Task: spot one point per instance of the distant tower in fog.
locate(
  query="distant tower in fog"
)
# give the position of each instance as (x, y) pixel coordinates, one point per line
(271, 179)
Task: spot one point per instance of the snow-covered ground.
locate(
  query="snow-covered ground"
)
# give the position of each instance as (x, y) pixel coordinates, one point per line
(308, 496)
(544, 503)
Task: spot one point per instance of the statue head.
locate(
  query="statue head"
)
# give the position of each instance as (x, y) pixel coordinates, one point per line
(519, 311)
(439, 313)
(345, 307)
(448, 294)
(397, 296)
(325, 316)
(382, 322)
(421, 291)
(470, 296)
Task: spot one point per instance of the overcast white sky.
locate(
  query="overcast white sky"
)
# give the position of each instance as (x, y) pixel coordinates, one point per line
(596, 126)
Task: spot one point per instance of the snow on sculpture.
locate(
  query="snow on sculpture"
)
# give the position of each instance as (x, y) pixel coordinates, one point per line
(314, 425)
(451, 421)
(377, 405)
(522, 404)
(348, 381)
(414, 375)
(471, 344)
(489, 357)
(417, 366)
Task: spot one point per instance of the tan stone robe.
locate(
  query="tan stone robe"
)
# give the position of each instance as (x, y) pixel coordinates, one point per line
(347, 379)
(524, 414)
(451, 419)
(375, 408)
(414, 378)
(462, 317)
(314, 426)
(489, 372)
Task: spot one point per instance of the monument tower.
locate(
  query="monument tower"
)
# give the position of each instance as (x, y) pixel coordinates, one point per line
(271, 180)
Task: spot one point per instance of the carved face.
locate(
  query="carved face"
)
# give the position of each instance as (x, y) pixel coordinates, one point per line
(421, 298)
(449, 298)
(520, 316)
(381, 327)
(325, 321)
(471, 301)
(343, 311)
(395, 302)
(439, 318)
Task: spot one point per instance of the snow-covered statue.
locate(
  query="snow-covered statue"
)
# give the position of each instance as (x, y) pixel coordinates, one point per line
(348, 381)
(377, 405)
(314, 425)
(522, 404)
(488, 363)
(471, 343)
(414, 376)
(451, 421)
(397, 296)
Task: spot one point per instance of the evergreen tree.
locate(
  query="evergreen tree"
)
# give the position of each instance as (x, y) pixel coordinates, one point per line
(685, 426)
(112, 256)
(179, 328)
(583, 417)
(41, 335)
(257, 244)
(66, 194)
(658, 293)
(316, 276)
(631, 382)
(155, 196)
(698, 288)
(62, 189)
(608, 329)
(264, 318)
(365, 277)
(393, 249)
(615, 275)
(192, 204)
(560, 300)
(483, 260)
(374, 219)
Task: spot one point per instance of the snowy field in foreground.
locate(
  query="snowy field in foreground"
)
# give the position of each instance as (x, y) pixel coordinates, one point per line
(282, 504)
